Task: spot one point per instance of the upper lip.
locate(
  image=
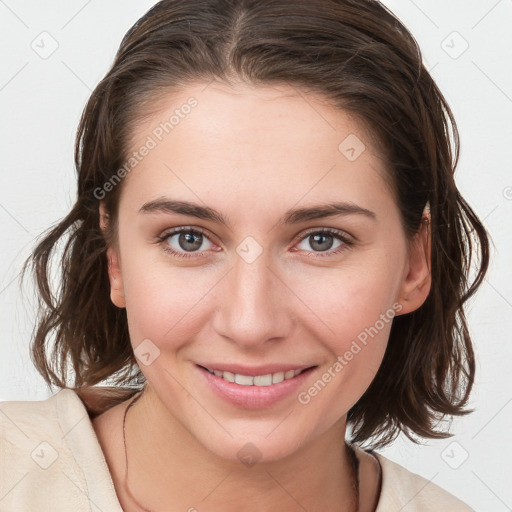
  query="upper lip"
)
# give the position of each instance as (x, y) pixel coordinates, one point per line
(253, 370)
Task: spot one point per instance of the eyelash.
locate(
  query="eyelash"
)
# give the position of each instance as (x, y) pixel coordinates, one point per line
(347, 243)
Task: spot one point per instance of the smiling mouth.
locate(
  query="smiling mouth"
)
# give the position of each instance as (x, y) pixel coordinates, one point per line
(256, 380)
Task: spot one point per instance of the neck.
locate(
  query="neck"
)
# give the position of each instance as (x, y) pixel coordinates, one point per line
(167, 465)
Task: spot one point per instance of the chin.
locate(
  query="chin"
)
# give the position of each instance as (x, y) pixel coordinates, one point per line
(260, 446)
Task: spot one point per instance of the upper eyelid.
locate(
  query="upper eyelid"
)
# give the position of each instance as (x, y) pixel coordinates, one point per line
(185, 229)
(299, 238)
(332, 231)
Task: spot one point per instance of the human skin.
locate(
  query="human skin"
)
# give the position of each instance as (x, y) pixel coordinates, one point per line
(252, 153)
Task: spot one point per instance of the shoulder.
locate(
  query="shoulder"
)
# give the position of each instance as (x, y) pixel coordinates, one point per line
(23, 422)
(406, 491)
(51, 458)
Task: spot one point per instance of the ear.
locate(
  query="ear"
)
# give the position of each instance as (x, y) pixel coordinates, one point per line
(417, 278)
(114, 267)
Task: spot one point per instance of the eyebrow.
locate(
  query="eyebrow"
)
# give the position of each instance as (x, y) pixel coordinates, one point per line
(292, 216)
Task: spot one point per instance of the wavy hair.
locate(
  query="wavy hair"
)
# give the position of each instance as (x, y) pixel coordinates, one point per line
(357, 54)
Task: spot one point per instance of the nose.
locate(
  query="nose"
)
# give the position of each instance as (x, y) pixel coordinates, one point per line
(253, 304)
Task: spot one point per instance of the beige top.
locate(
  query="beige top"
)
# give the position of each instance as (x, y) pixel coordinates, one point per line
(51, 461)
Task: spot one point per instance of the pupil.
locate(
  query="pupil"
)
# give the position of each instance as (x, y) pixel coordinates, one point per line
(318, 240)
(190, 238)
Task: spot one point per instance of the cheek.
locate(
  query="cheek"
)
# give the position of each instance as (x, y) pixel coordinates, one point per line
(352, 319)
(356, 352)
(347, 302)
(162, 302)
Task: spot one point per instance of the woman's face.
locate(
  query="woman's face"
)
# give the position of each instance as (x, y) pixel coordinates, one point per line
(262, 291)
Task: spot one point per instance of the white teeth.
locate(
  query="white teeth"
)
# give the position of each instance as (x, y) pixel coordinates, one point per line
(230, 377)
(244, 380)
(257, 380)
(289, 374)
(263, 380)
(277, 377)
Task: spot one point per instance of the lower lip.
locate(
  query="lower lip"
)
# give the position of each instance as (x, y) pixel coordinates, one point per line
(253, 397)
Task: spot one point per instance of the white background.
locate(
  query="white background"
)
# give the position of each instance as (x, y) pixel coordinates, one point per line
(41, 100)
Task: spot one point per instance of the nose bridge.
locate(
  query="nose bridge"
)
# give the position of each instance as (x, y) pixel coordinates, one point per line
(252, 308)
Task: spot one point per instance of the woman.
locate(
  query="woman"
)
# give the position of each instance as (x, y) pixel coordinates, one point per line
(268, 232)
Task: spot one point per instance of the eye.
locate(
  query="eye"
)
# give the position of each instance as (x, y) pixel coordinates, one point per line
(185, 242)
(323, 240)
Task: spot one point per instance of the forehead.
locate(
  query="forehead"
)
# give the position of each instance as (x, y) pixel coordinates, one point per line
(255, 143)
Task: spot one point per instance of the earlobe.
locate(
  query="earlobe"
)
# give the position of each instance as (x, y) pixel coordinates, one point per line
(114, 268)
(104, 217)
(417, 279)
(116, 279)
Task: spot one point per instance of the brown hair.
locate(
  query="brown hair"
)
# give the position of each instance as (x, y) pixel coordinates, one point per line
(353, 52)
